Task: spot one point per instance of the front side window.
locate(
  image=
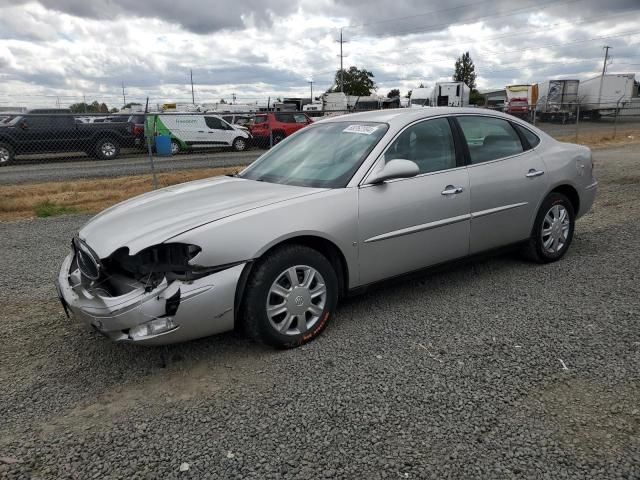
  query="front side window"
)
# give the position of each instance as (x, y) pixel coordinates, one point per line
(322, 155)
(214, 123)
(285, 117)
(429, 144)
(300, 118)
(489, 138)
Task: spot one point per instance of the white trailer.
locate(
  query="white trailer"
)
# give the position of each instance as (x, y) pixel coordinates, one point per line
(450, 94)
(420, 97)
(605, 95)
(557, 100)
(336, 101)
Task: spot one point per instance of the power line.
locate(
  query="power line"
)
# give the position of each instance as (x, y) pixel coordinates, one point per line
(508, 13)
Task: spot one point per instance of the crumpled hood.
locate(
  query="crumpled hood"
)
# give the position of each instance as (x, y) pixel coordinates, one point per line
(157, 216)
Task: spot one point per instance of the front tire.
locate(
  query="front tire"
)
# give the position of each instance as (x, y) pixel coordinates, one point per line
(107, 149)
(553, 230)
(240, 144)
(175, 147)
(7, 154)
(290, 297)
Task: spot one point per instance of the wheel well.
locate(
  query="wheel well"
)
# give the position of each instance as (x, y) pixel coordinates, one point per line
(322, 245)
(572, 194)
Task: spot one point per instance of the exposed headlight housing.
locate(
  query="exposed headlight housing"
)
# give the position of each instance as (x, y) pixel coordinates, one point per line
(154, 327)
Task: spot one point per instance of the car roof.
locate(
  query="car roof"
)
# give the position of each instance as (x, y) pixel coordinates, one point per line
(407, 115)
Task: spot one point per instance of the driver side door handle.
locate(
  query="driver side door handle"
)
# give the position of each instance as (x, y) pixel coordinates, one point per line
(534, 173)
(452, 190)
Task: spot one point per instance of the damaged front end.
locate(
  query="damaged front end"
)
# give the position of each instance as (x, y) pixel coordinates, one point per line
(156, 296)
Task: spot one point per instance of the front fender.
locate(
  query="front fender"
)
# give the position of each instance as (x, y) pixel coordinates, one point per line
(331, 215)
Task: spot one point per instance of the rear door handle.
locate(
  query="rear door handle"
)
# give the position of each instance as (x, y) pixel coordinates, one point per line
(452, 190)
(534, 173)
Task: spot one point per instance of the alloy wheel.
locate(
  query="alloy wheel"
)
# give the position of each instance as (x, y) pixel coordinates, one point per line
(108, 149)
(5, 155)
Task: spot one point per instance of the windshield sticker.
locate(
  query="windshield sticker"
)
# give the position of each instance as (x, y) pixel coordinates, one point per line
(364, 129)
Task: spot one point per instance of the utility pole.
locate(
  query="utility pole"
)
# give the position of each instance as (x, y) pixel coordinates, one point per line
(310, 82)
(341, 42)
(604, 70)
(124, 98)
(193, 97)
(233, 97)
(84, 102)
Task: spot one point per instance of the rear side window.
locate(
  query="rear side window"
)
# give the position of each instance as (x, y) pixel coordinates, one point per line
(260, 119)
(531, 137)
(300, 118)
(285, 118)
(489, 138)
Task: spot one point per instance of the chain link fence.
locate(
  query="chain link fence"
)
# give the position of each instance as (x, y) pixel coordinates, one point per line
(55, 135)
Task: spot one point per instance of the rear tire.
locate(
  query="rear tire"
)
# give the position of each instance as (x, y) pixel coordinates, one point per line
(553, 230)
(278, 137)
(107, 149)
(286, 313)
(7, 154)
(175, 147)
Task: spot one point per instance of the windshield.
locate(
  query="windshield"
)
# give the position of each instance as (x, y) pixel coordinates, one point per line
(420, 101)
(324, 155)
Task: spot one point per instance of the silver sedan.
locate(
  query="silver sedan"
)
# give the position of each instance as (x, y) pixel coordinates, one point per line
(343, 203)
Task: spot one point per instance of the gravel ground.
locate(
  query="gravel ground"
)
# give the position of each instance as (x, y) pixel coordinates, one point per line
(492, 369)
(70, 169)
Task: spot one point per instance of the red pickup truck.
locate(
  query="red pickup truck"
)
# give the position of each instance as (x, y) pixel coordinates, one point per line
(278, 124)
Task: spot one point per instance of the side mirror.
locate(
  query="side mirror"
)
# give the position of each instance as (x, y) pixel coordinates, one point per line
(23, 125)
(397, 168)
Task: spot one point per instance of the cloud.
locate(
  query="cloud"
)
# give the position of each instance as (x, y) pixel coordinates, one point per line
(258, 49)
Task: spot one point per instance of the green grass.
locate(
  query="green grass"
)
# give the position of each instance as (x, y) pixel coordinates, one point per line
(51, 209)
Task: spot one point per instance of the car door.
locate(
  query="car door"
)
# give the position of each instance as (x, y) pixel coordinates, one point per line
(411, 223)
(218, 131)
(506, 179)
(63, 128)
(34, 134)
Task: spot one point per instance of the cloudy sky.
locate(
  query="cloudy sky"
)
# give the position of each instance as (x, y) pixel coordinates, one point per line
(60, 50)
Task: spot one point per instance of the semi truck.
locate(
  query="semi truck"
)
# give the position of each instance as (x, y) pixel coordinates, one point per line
(557, 100)
(608, 94)
(450, 94)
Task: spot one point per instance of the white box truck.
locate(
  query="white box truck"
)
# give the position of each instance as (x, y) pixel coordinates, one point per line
(520, 99)
(420, 97)
(450, 94)
(604, 95)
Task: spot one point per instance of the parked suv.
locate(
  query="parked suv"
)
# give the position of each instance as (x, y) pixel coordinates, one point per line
(278, 124)
(58, 131)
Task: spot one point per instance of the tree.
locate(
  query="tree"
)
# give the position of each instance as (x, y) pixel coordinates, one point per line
(465, 71)
(223, 101)
(356, 82)
(132, 104)
(94, 107)
(393, 93)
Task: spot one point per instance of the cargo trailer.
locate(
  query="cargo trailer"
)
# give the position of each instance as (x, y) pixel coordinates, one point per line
(557, 100)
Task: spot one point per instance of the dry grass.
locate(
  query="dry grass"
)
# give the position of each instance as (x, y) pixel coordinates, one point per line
(86, 196)
(601, 139)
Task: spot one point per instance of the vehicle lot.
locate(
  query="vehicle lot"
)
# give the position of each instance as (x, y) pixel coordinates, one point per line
(458, 374)
(60, 167)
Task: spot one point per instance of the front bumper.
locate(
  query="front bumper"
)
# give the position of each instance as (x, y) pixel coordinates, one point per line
(206, 306)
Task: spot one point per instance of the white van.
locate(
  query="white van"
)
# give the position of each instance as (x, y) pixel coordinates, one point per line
(197, 131)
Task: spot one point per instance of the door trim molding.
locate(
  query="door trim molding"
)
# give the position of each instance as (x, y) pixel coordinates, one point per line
(418, 228)
(490, 211)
